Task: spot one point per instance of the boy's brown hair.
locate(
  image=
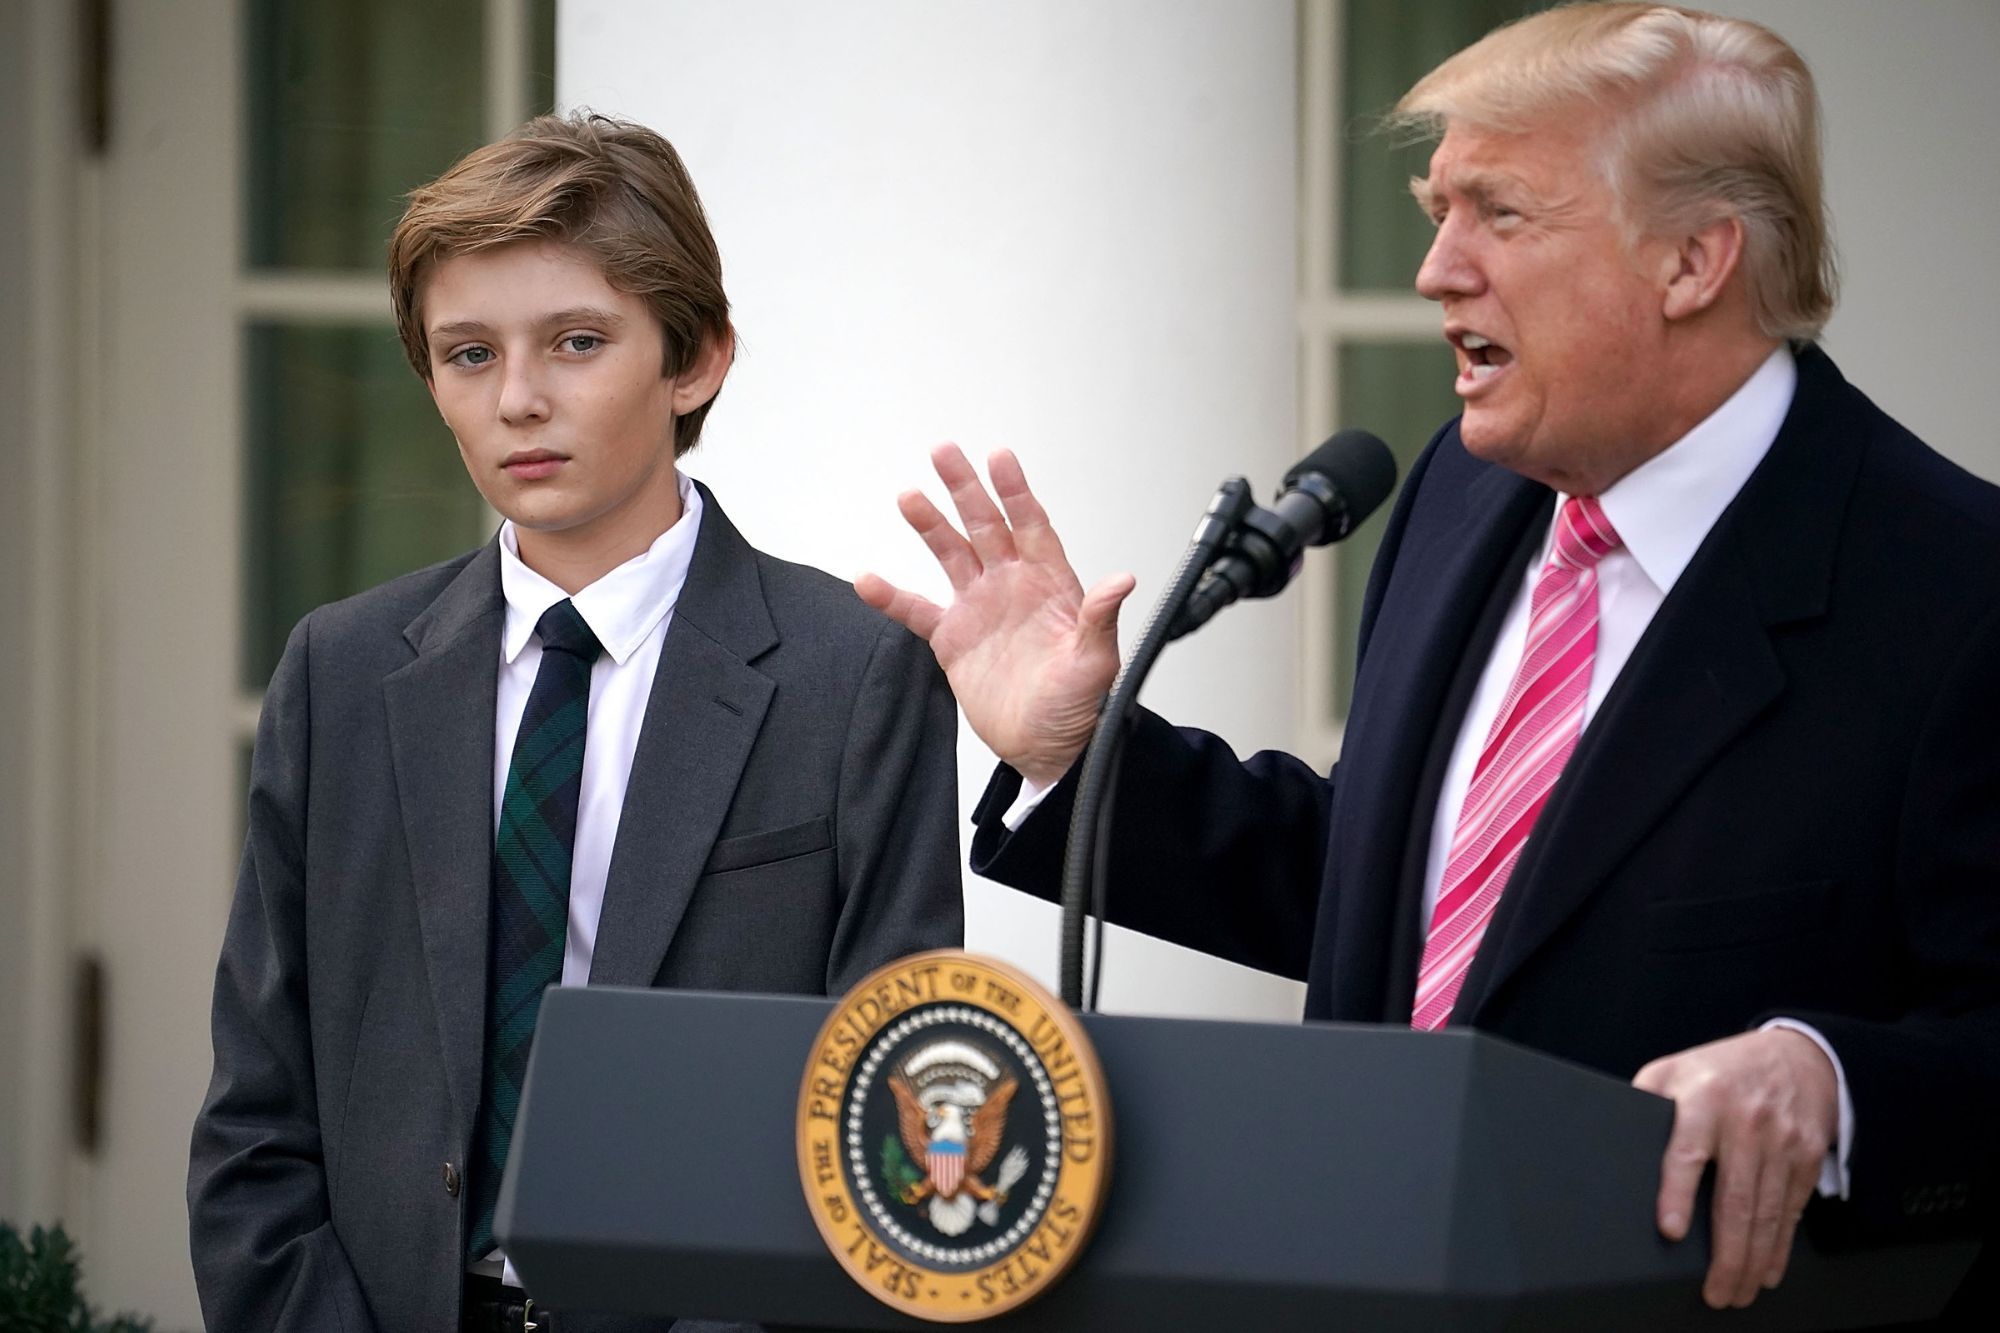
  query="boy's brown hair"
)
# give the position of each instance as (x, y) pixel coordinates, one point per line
(614, 189)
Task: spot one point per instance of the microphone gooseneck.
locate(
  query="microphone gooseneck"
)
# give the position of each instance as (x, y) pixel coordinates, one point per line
(1238, 550)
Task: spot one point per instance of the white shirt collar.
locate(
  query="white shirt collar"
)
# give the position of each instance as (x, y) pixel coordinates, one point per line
(1664, 508)
(622, 607)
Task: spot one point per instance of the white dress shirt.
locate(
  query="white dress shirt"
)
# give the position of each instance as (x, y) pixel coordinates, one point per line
(628, 610)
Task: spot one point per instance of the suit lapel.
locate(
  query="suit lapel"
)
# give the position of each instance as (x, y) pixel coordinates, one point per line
(702, 718)
(440, 709)
(1704, 670)
(1447, 572)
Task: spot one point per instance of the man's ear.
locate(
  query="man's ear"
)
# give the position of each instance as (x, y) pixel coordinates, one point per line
(1703, 264)
(702, 380)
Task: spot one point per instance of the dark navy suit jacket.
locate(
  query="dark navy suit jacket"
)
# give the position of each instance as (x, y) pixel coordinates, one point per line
(1789, 802)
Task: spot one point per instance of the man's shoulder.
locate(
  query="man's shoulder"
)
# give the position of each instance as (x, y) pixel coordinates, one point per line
(1934, 501)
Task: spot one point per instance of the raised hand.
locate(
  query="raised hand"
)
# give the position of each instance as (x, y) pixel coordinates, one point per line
(1028, 652)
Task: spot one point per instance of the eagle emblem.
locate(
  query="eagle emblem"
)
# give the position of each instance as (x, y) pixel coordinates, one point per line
(951, 1114)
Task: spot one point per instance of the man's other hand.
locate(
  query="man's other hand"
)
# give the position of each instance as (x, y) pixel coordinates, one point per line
(1764, 1107)
(1028, 652)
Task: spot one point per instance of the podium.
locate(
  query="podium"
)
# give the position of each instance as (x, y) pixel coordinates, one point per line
(1266, 1176)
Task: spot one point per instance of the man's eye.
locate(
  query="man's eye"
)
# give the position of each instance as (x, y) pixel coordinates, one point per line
(583, 342)
(471, 356)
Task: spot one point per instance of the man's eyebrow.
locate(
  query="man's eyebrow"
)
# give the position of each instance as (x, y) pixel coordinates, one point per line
(1479, 186)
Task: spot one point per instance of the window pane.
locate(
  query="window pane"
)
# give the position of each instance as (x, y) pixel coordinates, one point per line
(541, 57)
(1387, 45)
(351, 477)
(350, 106)
(1402, 392)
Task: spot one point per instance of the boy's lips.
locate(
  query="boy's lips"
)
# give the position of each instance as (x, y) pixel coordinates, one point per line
(533, 464)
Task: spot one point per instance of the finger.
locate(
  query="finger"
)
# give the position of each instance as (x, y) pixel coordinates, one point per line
(1800, 1187)
(1769, 1226)
(985, 526)
(954, 554)
(1033, 535)
(912, 612)
(1689, 1148)
(1730, 1224)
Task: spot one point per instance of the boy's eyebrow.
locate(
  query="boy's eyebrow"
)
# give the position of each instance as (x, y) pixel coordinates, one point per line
(582, 314)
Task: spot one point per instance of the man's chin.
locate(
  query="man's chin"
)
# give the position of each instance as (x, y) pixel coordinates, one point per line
(1488, 437)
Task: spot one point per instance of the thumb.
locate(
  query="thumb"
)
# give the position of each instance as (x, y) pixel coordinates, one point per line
(1097, 617)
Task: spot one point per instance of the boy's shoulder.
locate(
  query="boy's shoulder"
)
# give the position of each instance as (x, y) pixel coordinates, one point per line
(807, 611)
(805, 593)
(380, 615)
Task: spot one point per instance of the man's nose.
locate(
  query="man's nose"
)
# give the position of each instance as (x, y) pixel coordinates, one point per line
(1448, 268)
(523, 394)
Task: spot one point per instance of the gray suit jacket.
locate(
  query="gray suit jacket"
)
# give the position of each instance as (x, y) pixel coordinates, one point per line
(790, 824)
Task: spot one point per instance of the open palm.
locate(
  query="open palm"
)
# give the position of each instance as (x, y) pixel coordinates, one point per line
(1028, 652)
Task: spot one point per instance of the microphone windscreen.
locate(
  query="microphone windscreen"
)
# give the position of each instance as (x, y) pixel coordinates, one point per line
(1358, 464)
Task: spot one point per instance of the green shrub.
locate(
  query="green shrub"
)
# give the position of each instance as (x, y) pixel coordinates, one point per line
(39, 1290)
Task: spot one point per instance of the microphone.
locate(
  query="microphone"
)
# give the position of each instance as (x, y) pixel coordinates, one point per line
(1324, 498)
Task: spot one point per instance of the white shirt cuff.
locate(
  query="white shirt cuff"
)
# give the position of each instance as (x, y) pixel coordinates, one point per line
(1024, 804)
(1834, 1180)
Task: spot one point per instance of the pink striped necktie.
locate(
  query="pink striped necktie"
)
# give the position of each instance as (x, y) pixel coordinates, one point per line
(1530, 741)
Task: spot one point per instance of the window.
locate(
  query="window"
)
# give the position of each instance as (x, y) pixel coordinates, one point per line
(1371, 353)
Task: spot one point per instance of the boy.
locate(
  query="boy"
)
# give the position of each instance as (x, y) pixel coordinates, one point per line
(614, 745)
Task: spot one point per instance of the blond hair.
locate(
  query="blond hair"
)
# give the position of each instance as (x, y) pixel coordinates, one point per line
(616, 190)
(1711, 118)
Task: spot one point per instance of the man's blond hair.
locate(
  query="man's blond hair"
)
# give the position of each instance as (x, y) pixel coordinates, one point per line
(1711, 117)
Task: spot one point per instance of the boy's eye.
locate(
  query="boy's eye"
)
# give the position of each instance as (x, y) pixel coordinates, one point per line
(582, 342)
(471, 356)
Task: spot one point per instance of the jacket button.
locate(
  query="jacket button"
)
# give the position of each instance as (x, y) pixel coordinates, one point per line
(451, 1180)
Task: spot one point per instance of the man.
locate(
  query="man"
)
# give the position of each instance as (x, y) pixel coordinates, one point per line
(1673, 747)
(616, 744)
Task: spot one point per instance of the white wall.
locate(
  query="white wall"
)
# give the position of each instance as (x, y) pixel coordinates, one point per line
(1063, 228)
(1913, 178)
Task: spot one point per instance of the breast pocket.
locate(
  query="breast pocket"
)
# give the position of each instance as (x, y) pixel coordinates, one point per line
(763, 915)
(1753, 916)
(778, 844)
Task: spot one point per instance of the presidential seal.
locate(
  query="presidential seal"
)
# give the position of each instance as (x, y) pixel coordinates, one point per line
(954, 1136)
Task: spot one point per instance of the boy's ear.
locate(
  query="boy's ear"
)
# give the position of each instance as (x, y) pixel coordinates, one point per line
(702, 380)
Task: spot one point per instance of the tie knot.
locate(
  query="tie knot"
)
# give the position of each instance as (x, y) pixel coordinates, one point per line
(563, 630)
(1584, 535)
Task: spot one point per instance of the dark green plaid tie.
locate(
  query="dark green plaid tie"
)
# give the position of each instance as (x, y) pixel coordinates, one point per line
(531, 859)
